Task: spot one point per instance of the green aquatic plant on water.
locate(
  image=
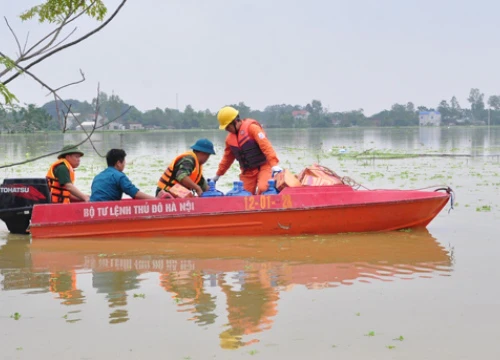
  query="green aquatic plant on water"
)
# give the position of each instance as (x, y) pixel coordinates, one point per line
(371, 333)
(484, 208)
(140, 296)
(390, 347)
(400, 338)
(436, 177)
(404, 175)
(16, 316)
(372, 154)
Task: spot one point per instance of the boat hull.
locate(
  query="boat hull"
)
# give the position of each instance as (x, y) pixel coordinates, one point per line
(325, 210)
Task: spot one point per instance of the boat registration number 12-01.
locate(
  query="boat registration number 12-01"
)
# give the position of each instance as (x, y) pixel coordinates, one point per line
(267, 202)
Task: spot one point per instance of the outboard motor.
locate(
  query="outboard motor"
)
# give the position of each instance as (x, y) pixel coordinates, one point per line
(17, 197)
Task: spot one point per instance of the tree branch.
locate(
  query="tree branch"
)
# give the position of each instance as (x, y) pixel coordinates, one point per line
(73, 83)
(48, 45)
(60, 27)
(63, 40)
(26, 42)
(64, 103)
(99, 28)
(15, 36)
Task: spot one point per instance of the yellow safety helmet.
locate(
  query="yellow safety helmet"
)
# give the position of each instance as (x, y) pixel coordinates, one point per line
(229, 341)
(226, 116)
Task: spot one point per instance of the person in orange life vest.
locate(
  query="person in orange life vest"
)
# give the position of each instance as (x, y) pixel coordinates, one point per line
(247, 142)
(61, 176)
(187, 169)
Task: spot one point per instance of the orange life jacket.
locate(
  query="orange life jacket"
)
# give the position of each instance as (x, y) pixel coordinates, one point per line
(167, 180)
(62, 282)
(59, 193)
(244, 148)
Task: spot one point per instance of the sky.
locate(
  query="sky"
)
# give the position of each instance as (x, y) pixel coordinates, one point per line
(349, 54)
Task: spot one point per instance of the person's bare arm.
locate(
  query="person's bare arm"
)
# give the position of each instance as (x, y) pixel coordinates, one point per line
(144, 196)
(187, 182)
(78, 195)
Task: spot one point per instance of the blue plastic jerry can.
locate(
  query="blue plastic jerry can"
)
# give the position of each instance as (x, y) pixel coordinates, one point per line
(212, 191)
(271, 190)
(238, 190)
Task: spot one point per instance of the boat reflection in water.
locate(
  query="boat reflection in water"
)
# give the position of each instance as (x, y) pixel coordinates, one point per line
(250, 272)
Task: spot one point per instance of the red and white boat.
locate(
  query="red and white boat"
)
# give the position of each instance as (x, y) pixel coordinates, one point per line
(294, 211)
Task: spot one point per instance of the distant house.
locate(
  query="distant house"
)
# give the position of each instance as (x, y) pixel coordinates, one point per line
(429, 118)
(152, 127)
(336, 121)
(87, 125)
(135, 126)
(86, 121)
(72, 120)
(101, 120)
(115, 126)
(300, 114)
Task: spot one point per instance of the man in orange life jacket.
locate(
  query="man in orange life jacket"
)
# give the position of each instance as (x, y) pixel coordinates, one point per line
(247, 142)
(61, 176)
(187, 169)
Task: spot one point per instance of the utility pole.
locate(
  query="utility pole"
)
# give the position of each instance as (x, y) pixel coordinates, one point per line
(177, 101)
(489, 135)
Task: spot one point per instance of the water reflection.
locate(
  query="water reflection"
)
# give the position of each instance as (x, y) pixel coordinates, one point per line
(63, 283)
(15, 267)
(246, 274)
(116, 284)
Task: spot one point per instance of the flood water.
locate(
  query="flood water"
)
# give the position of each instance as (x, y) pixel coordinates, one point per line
(426, 294)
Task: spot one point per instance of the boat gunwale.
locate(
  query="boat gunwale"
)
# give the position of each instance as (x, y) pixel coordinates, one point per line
(150, 217)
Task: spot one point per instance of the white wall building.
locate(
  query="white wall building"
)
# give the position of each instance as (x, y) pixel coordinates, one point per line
(429, 118)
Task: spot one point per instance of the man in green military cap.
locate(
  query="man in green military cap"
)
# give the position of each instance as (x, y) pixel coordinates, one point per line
(61, 176)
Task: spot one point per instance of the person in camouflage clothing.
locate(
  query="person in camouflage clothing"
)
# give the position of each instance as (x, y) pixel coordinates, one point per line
(187, 169)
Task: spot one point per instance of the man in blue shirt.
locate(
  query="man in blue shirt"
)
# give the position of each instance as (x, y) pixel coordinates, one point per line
(110, 184)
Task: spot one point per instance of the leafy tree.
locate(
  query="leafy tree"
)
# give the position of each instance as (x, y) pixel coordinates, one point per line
(402, 117)
(476, 100)
(353, 118)
(190, 118)
(410, 107)
(456, 112)
(29, 119)
(243, 109)
(113, 107)
(173, 118)
(207, 120)
(454, 104)
(154, 117)
(445, 111)
(494, 102)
